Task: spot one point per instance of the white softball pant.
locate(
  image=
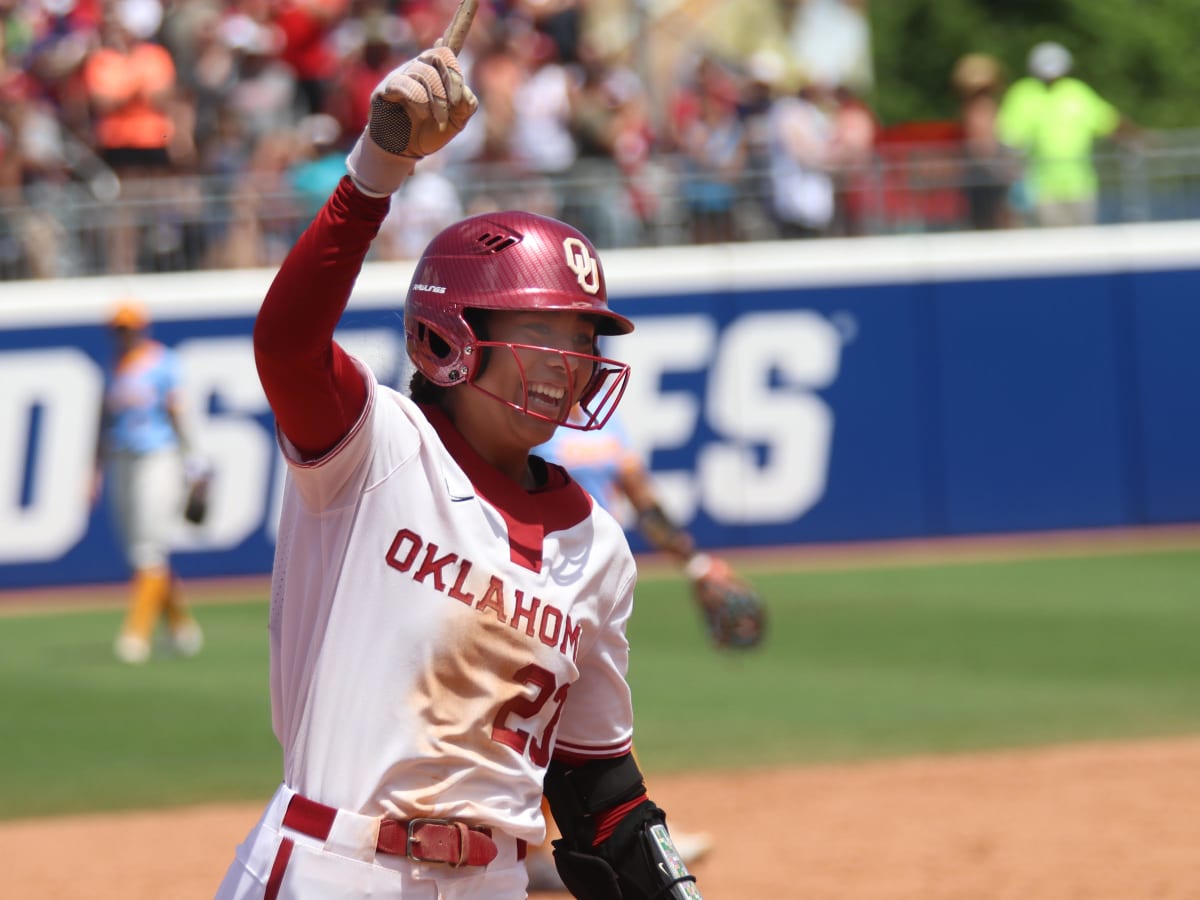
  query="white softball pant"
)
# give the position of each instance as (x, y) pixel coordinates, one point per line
(148, 497)
(276, 861)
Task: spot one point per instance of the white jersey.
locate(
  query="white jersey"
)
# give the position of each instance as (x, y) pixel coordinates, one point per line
(428, 617)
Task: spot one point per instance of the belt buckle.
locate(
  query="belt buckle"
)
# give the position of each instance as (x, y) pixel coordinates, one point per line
(413, 841)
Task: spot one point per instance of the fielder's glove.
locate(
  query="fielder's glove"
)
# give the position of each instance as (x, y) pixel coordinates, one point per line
(734, 613)
(415, 111)
(195, 507)
(197, 475)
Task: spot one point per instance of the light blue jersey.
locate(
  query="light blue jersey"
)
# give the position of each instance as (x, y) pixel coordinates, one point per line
(592, 457)
(139, 393)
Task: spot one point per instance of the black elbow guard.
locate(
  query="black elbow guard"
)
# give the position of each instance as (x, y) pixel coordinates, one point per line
(638, 861)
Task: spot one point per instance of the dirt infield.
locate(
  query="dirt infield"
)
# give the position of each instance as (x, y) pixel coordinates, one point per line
(1088, 822)
(1103, 821)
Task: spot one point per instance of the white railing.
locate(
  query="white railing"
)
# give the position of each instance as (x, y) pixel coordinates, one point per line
(202, 223)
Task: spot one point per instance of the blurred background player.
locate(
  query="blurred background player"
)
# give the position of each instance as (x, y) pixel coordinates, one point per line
(611, 470)
(142, 445)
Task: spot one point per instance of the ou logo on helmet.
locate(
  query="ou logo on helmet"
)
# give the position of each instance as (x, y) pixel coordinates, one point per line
(583, 264)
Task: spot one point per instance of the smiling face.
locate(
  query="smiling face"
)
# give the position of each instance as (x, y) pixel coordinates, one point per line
(550, 362)
(537, 365)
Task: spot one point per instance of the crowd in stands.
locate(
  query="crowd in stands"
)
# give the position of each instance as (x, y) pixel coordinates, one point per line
(134, 99)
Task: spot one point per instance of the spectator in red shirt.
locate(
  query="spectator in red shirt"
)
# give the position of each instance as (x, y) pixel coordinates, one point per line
(307, 27)
(129, 81)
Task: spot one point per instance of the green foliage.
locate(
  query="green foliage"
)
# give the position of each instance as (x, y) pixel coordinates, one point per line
(858, 664)
(1139, 54)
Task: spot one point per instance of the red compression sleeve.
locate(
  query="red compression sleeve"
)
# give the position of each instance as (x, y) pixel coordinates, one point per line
(314, 389)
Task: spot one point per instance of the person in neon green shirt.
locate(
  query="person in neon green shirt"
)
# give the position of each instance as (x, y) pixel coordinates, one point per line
(1053, 121)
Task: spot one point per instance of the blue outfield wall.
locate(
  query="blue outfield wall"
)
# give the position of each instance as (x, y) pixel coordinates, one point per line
(783, 393)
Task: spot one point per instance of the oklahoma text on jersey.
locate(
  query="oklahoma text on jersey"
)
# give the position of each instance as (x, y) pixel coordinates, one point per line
(538, 618)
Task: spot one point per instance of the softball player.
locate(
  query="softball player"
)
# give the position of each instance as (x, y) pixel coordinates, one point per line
(606, 465)
(141, 444)
(447, 624)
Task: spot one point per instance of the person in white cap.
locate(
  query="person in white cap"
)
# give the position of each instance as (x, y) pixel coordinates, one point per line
(1053, 120)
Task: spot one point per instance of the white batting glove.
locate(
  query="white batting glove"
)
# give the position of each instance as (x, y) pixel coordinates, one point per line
(415, 111)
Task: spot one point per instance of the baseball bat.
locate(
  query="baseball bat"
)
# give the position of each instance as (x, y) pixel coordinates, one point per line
(456, 32)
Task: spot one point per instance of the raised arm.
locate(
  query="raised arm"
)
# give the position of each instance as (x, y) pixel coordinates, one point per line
(310, 382)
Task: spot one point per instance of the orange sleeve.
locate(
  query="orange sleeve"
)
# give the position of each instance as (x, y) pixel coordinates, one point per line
(110, 77)
(155, 69)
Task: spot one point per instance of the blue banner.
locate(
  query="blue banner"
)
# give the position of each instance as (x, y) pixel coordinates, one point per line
(782, 394)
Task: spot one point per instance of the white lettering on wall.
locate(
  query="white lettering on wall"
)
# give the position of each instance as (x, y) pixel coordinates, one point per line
(223, 397)
(737, 410)
(658, 417)
(65, 386)
(774, 464)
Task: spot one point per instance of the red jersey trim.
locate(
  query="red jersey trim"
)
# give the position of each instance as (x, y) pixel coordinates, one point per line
(296, 457)
(607, 821)
(529, 515)
(577, 754)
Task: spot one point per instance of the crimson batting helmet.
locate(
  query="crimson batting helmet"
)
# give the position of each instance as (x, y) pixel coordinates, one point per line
(516, 261)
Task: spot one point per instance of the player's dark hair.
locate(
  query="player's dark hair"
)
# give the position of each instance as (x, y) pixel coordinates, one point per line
(424, 391)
